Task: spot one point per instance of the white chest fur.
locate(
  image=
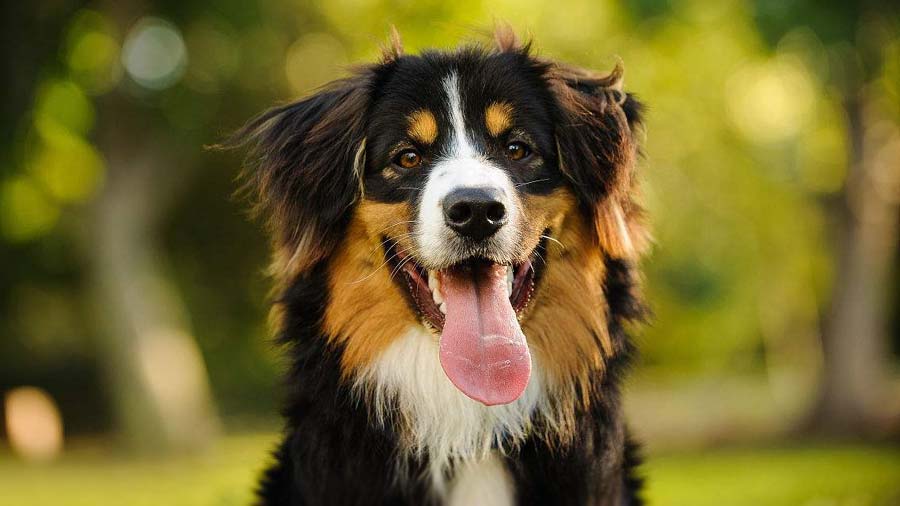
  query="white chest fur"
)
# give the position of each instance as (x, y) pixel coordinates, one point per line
(438, 420)
(486, 482)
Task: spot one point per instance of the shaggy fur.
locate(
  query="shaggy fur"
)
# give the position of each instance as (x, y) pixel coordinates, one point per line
(371, 417)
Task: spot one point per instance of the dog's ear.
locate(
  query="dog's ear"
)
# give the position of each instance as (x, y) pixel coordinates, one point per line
(305, 169)
(597, 143)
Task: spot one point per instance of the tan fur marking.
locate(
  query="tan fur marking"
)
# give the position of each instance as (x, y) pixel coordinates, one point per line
(498, 118)
(422, 126)
(566, 324)
(567, 305)
(366, 311)
(620, 228)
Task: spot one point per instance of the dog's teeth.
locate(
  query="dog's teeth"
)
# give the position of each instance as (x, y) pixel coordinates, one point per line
(432, 279)
(510, 276)
(443, 307)
(434, 283)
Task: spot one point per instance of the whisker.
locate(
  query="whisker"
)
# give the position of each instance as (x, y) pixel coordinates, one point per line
(409, 188)
(376, 248)
(396, 238)
(395, 224)
(375, 270)
(554, 240)
(400, 266)
(531, 264)
(530, 182)
(401, 236)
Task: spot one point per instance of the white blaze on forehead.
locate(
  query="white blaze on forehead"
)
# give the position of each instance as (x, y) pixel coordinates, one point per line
(461, 143)
(462, 167)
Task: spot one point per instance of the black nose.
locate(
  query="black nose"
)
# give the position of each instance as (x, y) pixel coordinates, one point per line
(475, 213)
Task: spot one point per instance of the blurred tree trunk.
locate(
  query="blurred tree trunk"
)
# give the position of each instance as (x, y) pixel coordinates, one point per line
(854, 400)
(154, 368)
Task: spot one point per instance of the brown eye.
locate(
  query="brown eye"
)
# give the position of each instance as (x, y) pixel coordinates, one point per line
(408, 159)
(517, 151)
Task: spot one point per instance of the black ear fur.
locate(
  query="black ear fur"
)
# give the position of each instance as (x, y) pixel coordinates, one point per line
(598, 147)
(304, 169)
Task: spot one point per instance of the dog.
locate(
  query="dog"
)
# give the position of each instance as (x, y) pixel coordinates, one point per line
(456, 237)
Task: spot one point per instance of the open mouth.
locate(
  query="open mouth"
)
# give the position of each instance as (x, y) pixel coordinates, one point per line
(476, 306)
(424, 285)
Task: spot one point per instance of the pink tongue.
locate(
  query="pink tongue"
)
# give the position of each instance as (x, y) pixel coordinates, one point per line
(483, 350)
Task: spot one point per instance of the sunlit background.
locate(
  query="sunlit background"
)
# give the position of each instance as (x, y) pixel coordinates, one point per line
(135, 365)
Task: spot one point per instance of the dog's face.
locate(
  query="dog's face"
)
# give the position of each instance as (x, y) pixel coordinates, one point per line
(463, 147)
(475, 193)
(463, 142)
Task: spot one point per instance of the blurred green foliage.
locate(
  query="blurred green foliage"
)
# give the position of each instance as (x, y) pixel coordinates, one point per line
(745, 143)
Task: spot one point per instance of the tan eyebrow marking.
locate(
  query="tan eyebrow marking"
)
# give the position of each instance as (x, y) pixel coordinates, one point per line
(498, 118)
(422, 126)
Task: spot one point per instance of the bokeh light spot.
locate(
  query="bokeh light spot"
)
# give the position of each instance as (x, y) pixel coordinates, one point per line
(92, 52)
(33, 424)
(63, 103)
(770, 102)
(69, 168)
(94, 58)
(25, 211)
(154, 54)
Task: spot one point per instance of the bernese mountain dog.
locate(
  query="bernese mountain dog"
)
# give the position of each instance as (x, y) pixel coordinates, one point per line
(455, 245)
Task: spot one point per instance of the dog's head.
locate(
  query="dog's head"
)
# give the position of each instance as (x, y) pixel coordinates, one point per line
(474, 192)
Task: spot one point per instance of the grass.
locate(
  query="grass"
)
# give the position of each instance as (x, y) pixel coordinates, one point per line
(802, 476)
(807, 476)
(90, 476)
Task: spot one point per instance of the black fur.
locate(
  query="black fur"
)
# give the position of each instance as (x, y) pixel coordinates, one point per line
(305, 163)
(302, 161)
(331, 454)
(600, 467)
